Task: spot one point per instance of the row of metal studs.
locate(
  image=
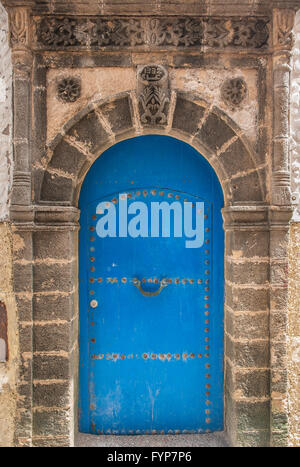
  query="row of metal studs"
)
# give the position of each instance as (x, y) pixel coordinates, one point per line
(146, 356)
(206, 346)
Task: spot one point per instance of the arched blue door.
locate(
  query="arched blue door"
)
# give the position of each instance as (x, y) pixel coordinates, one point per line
(151, 304)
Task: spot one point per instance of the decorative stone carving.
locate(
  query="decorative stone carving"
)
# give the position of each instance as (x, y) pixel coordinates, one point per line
(234, 91)
(69, 89)
(64, 32)
(19, 30)
(153, 95)
(283, 28)
(295, 120)
(247, 33)
(283, 21)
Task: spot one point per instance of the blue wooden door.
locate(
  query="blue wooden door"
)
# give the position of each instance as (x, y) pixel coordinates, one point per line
(151, 308)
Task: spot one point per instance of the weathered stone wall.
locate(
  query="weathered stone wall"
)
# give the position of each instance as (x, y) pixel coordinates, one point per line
(294, 253)
(294, 336)
(5, 115)
(295, 116)
(100, 82)
(7, 369)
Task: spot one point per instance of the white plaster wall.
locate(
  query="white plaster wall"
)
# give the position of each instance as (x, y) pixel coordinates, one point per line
(5, 116)
(295, 117)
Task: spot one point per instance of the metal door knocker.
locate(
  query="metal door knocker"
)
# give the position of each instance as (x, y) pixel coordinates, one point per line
(137, 283)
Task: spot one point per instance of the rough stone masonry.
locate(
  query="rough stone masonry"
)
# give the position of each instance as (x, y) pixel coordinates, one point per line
(70, 88)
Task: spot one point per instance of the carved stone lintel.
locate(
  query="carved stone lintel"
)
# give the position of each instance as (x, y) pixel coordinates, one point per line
(153, 92)
(185, 31)
(19, 28)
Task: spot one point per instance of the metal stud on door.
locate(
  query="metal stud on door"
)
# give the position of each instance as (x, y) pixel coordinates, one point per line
(151, 328)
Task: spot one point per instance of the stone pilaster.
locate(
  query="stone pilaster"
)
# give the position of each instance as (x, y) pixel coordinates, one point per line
(279, 276)
(283, 22)
(247, 356)
(19, 25)
(19, 29)
(55, 326)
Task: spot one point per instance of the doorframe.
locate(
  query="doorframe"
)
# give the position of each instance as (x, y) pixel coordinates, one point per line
(46, 288)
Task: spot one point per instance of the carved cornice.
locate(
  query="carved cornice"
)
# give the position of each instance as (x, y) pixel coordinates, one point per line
(153, 7)
(256, 217)
(52, 32)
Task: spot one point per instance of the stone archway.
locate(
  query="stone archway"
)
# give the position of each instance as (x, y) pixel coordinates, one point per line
(54, 274)
(100, 125)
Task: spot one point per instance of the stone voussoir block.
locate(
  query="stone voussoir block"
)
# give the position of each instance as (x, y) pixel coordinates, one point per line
(90, 132)
(118, 114)
(236, 159)
(56, 188)
(184, 108)
(67, 158)
(215, 132)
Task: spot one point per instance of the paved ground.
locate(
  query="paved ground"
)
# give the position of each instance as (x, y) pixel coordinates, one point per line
(206, 440)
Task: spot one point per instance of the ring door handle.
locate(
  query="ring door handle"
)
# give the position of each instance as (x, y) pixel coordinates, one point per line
(137, 284)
